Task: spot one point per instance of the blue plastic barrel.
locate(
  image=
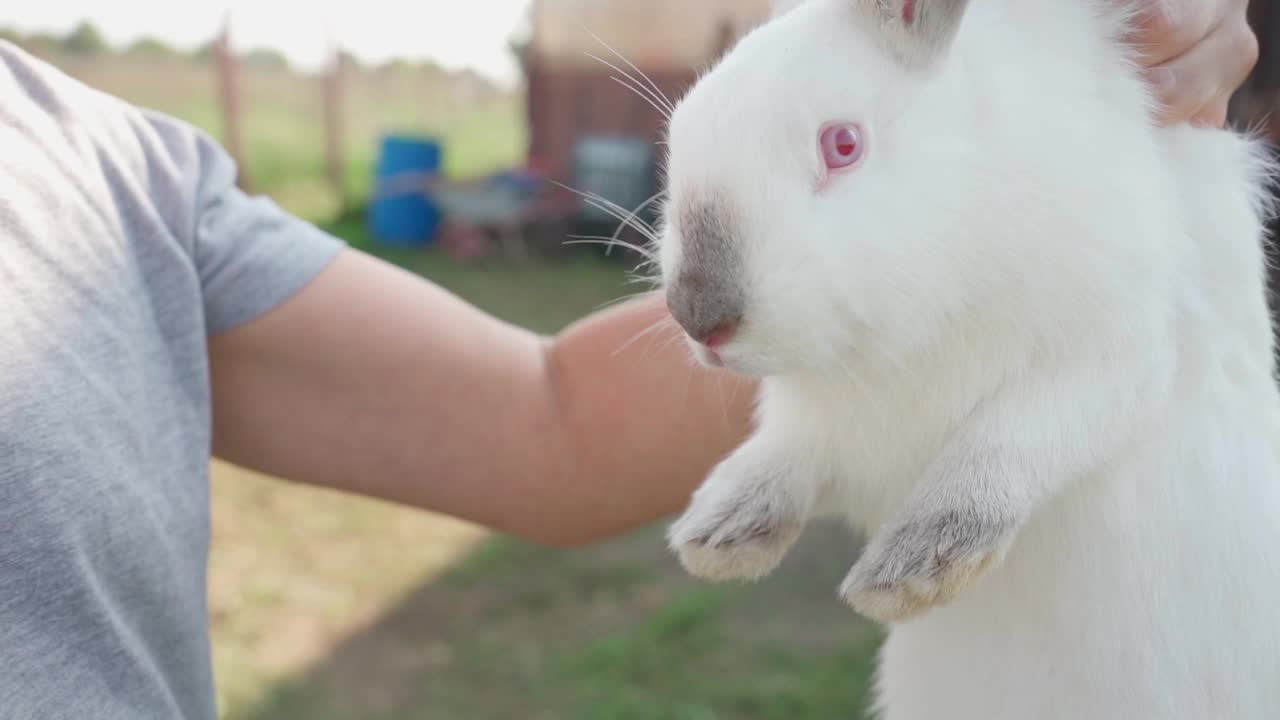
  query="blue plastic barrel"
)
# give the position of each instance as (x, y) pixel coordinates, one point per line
(401, 212)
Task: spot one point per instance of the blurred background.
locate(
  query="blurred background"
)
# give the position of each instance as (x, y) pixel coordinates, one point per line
(437, 135)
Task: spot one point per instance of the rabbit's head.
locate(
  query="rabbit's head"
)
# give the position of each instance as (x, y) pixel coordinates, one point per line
(819, 203)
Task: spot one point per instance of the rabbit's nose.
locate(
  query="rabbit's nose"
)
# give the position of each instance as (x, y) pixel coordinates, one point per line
(706, 293)
(720, 335)
(710, 315)
(713, 336)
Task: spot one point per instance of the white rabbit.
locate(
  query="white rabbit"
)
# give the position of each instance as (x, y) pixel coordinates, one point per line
(1009, 328)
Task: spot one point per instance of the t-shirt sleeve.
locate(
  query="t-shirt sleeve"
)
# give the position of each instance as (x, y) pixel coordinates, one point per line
(250, 254)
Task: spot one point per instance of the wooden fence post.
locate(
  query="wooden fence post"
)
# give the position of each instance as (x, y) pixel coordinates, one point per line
(335, 139)
(227, 68)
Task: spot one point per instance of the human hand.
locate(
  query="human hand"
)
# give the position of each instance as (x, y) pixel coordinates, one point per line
(1195, 55)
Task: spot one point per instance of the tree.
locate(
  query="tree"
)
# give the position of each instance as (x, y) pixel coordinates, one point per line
(265, 58)
(205, 52)
(520, 42)
(84, 40)
(394, 66)
(350, 62)
(151, 49)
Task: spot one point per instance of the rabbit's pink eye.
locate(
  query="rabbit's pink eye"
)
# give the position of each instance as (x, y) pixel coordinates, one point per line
(841, 145)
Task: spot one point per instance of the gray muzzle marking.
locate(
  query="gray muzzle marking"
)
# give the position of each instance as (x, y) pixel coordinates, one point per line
(706, 294)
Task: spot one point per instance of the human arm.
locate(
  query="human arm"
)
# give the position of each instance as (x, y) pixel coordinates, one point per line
(373, 381)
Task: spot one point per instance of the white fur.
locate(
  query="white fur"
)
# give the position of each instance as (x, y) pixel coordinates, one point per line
(1025, 342)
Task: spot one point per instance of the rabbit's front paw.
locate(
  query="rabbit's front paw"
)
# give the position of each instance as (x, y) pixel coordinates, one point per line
(738, 527)
(925, 561)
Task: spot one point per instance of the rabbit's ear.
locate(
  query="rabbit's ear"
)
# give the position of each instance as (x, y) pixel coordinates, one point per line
(917, 33)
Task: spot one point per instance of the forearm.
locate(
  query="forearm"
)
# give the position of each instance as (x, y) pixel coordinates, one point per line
(643, 424)
(374, 382)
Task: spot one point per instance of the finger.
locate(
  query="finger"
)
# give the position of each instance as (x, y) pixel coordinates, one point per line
(1205, 75)
(1167, 29)
(1212, 116)
(1233, 77)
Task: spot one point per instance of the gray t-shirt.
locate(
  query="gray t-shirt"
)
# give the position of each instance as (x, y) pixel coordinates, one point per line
(124, 244)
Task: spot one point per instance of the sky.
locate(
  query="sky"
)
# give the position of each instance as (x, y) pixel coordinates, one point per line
(455, 33)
